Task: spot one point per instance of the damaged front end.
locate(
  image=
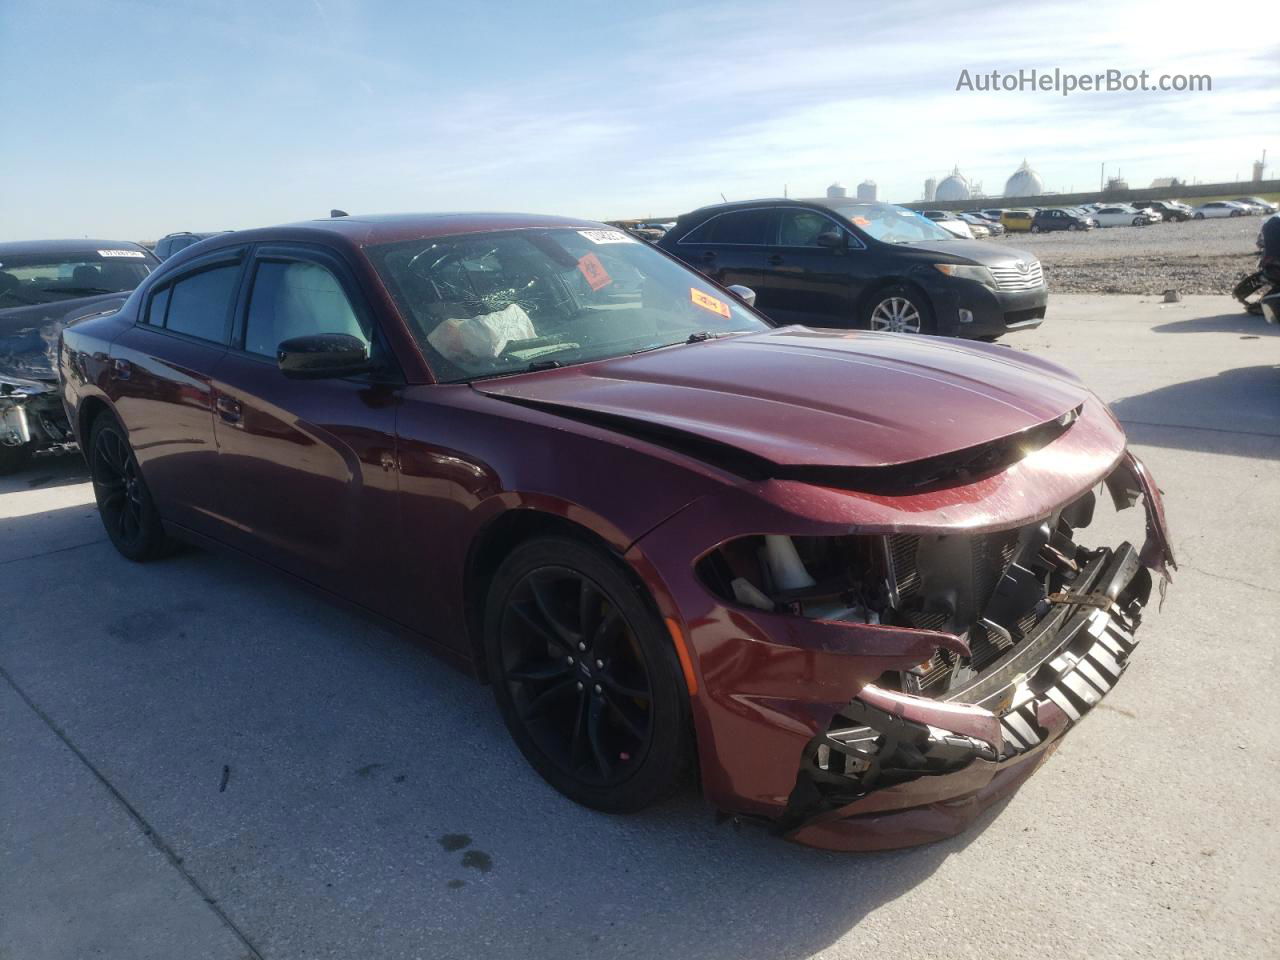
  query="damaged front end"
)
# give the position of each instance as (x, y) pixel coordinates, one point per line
(32, 422)
(1031, 629)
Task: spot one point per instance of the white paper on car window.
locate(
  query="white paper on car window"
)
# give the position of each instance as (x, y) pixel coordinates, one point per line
(606, 236)
(121, 253)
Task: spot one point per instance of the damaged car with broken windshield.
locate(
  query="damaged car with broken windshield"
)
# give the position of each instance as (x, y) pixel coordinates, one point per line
(43, 286)
(849, 579)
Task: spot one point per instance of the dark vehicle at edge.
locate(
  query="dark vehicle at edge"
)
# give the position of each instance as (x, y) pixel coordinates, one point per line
(601, 482)
(171, 243)
(45, 284)
(850, 264)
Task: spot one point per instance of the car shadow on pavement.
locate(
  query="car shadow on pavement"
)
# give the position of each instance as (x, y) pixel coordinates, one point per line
(1235, 412)
(47, 472)
(1239, 322)
(338, 789)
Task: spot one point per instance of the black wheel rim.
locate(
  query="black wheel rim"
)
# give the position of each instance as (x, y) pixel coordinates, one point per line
(576, 676)
(117, 486)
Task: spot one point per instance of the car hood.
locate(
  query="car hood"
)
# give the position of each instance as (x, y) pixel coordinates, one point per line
(976, 251)
(29, 334)
(797, 397)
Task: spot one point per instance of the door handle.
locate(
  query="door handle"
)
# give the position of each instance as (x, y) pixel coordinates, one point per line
(229, 409)
(775, 260)
(123, 368)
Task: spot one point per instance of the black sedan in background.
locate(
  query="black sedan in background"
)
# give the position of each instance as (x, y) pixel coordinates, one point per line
(44, 285)
(841, 262)
(1061, 218)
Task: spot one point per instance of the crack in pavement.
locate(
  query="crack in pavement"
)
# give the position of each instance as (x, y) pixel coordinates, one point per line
(147, 830)
(1187, 426)
(50, 553)
(1235, 580)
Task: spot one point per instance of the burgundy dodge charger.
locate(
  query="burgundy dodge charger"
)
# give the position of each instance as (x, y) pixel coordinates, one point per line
(838, 573)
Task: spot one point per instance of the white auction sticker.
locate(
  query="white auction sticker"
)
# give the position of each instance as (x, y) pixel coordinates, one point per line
(606, 236)
(121, 253)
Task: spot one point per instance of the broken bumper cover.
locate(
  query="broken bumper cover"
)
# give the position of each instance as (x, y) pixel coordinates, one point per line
(909, 770)
(31, 415)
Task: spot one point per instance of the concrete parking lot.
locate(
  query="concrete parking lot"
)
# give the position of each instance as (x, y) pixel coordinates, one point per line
(200, 760)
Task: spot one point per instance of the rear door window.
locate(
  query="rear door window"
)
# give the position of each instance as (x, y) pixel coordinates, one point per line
(745, 227)
(199, 304)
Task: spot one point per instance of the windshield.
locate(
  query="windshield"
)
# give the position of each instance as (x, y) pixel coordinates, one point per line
(486, 304)
(33, 278)
(891, 224)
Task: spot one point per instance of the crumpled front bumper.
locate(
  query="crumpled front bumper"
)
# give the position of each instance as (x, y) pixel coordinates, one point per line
(988, 738)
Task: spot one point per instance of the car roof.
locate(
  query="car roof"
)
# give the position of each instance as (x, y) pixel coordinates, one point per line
(368, 230)
(15, 248)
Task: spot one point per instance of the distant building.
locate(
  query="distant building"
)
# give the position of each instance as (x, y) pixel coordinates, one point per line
(1025, 182)
(1260, 168)
(1164, 183)
(1116, 185)
(867, 190)
(953, 187)
(837, 190)
(930, 188)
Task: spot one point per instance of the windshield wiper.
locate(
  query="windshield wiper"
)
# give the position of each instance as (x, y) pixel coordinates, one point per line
(77, 290)
(542, 365)
(700, 336)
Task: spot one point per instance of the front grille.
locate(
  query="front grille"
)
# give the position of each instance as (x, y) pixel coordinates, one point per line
(1009, 277)
(990, 556)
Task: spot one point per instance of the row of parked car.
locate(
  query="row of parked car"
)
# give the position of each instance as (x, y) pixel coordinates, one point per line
(837, 263)
(998, 221)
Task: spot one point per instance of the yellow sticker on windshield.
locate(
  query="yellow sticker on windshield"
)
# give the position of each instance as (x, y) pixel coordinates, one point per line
(707, 302)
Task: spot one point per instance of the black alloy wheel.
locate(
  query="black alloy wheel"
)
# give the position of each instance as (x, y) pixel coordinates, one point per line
(586, 676)
(124, 504)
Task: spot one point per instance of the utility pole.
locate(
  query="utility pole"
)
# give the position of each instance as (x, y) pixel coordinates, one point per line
(1102, 175)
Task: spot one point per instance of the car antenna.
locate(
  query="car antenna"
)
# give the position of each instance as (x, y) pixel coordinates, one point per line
(338, 213)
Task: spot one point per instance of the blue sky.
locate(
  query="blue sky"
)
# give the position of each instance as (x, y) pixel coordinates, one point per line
(132, 118)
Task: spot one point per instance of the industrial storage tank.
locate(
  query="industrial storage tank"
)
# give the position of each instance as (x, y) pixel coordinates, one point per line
(953, 187)
(1025, 182)
(867, 190)
(837, 189)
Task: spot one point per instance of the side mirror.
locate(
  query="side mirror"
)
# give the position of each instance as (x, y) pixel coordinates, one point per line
(745, 294)
(831, 239)
(321, 355)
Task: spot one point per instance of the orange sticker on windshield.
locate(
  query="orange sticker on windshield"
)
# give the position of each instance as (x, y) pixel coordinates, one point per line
(708, 302)
(593, 270)
(861, 221)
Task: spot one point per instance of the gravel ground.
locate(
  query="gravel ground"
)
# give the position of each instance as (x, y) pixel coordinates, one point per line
(1197, 256)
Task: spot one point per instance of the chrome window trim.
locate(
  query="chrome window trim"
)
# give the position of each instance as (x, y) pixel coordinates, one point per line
(853, 238)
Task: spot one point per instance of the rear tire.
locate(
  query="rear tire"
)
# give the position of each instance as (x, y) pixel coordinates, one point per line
(586, 676)
(124, 503)
(1199, 216)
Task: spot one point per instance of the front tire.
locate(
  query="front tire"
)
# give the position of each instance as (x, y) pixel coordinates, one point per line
(586, 677)
(1199, 216)
(124, 503)
(897, 309)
